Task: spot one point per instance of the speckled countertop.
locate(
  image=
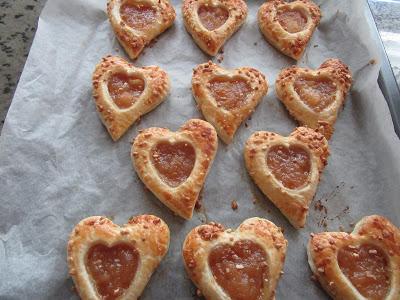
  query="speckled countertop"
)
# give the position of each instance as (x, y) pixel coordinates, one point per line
(18, 22)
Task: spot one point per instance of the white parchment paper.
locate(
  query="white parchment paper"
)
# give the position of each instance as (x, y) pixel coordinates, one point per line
(58, 164)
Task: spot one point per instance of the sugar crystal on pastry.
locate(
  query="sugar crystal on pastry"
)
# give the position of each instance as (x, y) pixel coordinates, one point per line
(174, 162)
(212, 17)
(112, 268)
(124, 90)
(290, 165)
(366, 266)
(241, 269)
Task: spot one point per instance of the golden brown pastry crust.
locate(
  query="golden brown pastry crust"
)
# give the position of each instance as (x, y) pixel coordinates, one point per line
(323, 121)
(148, 234)
(117, 120)
(225, 121)
(290, 44)
(293, 203)
(134, 40)
(181, 199)
(202, 239)
(323, 250)
(211, 41)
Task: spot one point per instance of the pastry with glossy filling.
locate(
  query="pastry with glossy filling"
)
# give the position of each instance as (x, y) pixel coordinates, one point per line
(241, 264)
(174, 165)
(362, 265)
(288, 26)
(212, 22)
(107, 261)
(314, 97)
(287, 169)
(137, 22)
(123, 92)
(227, 97)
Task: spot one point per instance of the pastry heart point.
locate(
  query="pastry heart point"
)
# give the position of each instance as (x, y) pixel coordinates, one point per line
(174, 165)
(227, 97)
(239, 264)
(212, 17)
(315, 97)
(230, 93)
(292, 20)
(112, 268)
(125, 90)
(108, 262)
(290, 165)
(137, 15)
(287, 169)
(318, 93)
(366, 266)
(288, 26)
(240, 269)
(174, 162)
(212, 23)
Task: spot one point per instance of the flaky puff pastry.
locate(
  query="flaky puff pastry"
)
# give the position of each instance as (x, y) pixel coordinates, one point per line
(333, 75)
(134, 35)
(201, 241)
(195, 134)
(210, 40)
(117, 120)
(291, 41)
(224, 114)
(374, 231)
(147, 234)
(293, 201)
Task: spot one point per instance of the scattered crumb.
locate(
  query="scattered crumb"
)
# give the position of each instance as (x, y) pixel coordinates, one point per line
(313, 277)
(351, 224)
(234, 205)
(372, 61)
(255, 43)
(341, 228)
(246, 125)
(198, 293)
(315, 46)
(198, 204)
(153, 42)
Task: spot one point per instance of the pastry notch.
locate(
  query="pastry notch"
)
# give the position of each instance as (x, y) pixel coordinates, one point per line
(314, 97)
(137, 22)
(227, 97)
(362, 265)
(174, 165)
(287, 169)
(123, 92)
(212, 22)
(288, 26)
(217, 259)
(107, 261)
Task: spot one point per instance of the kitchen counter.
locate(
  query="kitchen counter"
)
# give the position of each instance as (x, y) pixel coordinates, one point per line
(18, 23)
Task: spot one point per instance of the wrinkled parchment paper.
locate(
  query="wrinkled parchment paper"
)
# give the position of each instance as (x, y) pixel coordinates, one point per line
(58, 164)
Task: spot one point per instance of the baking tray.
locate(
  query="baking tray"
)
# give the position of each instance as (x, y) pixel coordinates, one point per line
(386, 80)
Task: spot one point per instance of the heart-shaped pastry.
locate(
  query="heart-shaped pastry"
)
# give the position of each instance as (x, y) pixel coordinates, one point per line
(212, 22)
(107, 261)
(287, 169)
(362, 265)
(227, 97)
(314, 97)
(174, 165)
(137, 22)
(288, 26)
(244, 264)
(123, 92)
